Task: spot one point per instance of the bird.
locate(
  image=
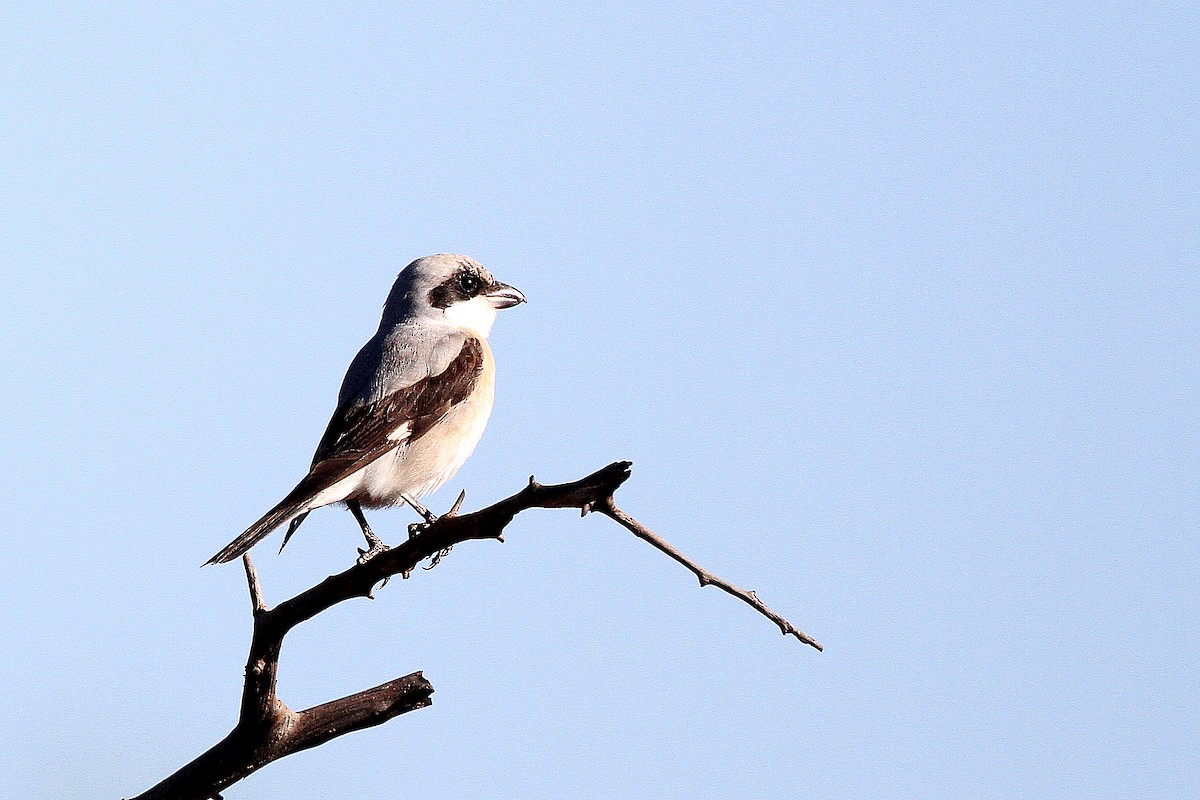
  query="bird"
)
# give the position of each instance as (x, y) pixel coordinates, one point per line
(412, 406)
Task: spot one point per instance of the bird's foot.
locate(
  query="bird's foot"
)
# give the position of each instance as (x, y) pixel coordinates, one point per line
(376, 547)
(437, 558)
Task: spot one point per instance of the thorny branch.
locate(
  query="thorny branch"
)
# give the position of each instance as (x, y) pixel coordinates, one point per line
(268, 730)
(706, 578)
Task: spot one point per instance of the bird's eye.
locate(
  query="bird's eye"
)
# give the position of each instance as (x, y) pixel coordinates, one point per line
(468, 283)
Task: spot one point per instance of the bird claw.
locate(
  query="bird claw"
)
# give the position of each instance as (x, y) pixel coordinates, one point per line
(437, 558)
(366, 555)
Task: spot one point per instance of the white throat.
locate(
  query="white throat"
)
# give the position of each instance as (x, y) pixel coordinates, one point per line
(475, 315)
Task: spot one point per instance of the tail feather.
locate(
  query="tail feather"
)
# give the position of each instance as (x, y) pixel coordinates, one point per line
(296, 523)
(288, 510)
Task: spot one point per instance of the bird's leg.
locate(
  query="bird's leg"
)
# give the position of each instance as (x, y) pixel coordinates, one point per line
(375, 545)
(429, 516)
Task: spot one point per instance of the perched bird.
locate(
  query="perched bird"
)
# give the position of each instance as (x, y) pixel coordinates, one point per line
(413, 404)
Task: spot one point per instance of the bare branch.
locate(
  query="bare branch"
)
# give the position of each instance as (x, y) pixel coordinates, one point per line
(375, 706)
(609, 509)
(249, 747)
(268, 730)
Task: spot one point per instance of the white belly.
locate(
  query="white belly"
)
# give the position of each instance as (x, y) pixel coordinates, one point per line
(416, 468)
(420, 467)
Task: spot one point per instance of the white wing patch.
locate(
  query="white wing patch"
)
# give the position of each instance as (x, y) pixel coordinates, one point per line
(401, 433)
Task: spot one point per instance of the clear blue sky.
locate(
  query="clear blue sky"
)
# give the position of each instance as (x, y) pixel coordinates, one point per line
(895, 311)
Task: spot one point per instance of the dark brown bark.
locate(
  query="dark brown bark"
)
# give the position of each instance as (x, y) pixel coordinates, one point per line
(268, 730)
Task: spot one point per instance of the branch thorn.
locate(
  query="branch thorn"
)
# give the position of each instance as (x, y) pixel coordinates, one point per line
(453, 512)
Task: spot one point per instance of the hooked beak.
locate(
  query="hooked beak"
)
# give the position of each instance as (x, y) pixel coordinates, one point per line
(501, 295)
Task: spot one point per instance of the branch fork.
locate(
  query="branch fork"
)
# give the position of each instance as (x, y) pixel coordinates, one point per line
(268, 730)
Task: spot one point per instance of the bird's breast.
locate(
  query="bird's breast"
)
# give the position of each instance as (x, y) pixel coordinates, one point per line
(421, 465)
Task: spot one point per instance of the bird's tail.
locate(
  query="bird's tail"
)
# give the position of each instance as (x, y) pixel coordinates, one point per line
(296, 523)
(294, 507)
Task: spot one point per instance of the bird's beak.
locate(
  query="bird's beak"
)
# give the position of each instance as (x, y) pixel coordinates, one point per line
(501, 295)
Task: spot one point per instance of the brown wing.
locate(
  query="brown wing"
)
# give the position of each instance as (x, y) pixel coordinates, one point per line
(359, 434)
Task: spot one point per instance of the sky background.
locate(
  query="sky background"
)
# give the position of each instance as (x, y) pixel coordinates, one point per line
(894, 309)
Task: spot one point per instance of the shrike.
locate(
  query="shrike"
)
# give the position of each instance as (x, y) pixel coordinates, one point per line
(413, 404)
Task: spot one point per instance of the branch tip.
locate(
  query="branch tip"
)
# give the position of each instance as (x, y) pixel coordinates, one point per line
(705, 577)
(256, 595)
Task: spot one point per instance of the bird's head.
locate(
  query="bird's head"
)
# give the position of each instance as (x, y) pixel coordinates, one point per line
(457, 289)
